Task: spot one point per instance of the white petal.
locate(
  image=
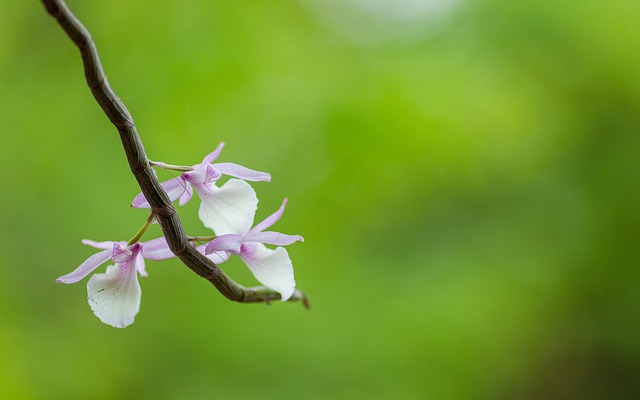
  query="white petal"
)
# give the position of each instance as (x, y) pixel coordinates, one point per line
(228, 209)
(115, 295)
(272, 268)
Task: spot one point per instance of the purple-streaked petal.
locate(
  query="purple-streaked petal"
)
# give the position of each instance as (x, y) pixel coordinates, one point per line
(174, 187)
(272, 268)
(228, 209)
(230, 243)
(87, 267)
(275, 238)
(241, 172)
(212, 174)
(211, 157)
(98, 245)
(198, 175)
(121, 254)
(140, 265)
(156, 249)
(114, 296)
(270, 220)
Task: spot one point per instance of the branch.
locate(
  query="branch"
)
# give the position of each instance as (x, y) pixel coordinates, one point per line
(141, 168)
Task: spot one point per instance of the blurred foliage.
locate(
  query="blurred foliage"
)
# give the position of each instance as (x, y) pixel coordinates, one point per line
(465, 174)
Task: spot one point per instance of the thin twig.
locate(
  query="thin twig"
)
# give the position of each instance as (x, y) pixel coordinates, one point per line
(171, 167)
(161, 206)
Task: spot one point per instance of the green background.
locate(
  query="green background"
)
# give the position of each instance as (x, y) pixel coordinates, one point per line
(465, 175)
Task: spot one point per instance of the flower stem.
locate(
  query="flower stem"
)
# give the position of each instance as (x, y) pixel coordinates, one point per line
(200, 238)
(162, 165)
(142, 230)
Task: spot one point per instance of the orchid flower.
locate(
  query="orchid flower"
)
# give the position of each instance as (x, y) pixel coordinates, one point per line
(114, 296)
(224, 209)
(272, 268)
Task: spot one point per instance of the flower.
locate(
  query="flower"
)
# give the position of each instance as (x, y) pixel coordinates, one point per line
(272, 268)
(224, 209)
(114, 296)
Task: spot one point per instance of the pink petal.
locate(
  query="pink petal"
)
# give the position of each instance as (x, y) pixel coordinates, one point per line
(140, 201)
(241, 172)
(186, 196)
(211, 157)
(86, 267)
(275, 238)
(140, 265)
(198, 175)
(230, 243)
(217, 257)
(156, 249)
(174, 187)
(98, 245)
(123, 253)
(270, 220)
(212, 174)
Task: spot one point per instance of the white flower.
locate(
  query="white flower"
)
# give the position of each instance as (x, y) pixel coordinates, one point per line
(114, 296)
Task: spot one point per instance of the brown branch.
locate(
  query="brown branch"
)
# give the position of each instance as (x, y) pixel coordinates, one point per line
(165, 213)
